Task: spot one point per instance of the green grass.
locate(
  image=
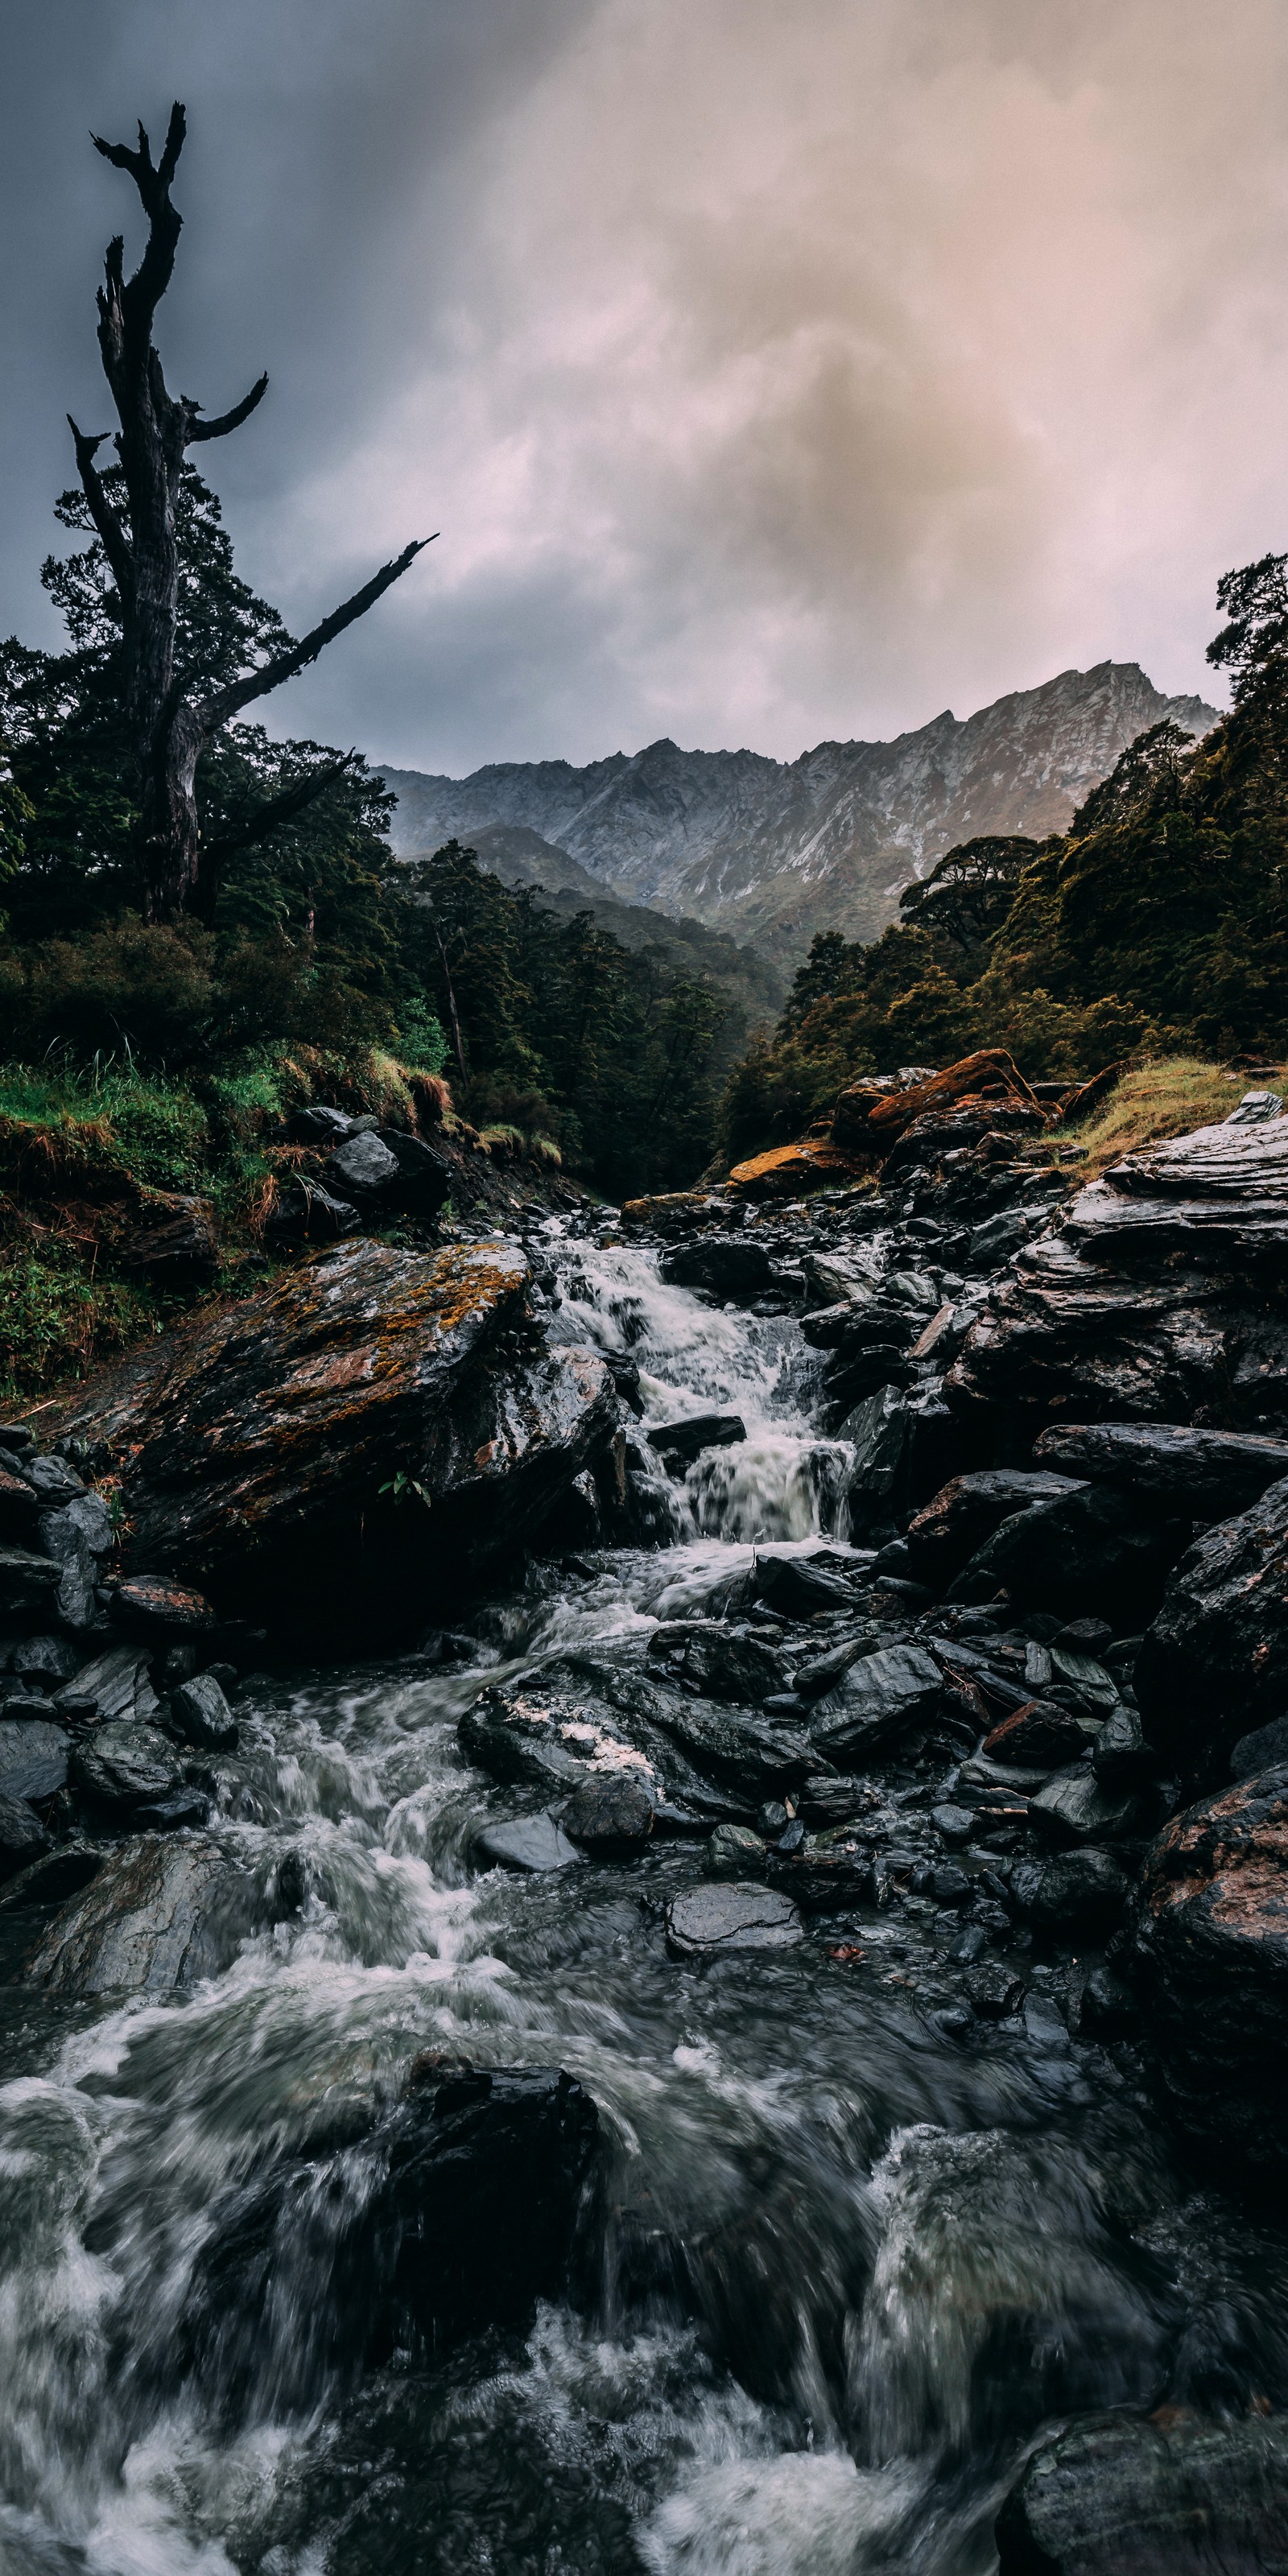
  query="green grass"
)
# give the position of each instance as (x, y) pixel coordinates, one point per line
(1166, 1096)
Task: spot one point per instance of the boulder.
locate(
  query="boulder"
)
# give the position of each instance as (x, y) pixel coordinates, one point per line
(363, 1168)
(147, 1606)
(529, 1844)
(117, 1684)
(753, 1756)
(882, 1697)
(33, 1758)
(948, 1530)
(175, 1243)
(787, 1171)
(304, 1212)
(1263, 1750)
(200, 1714)
(714, 1919)
(1171, 1466)
(47, 1661)
(1040, 1735)
(580, 1721)
(733, 1850)
(1076, 1896)
(1214, 1664)
(725, 1265)
(892, 1110)
(23, 1838)
(795, 1586)
(679, 1443)
(290, 1448)
(158, 1915)
(1212, 1950)
(831, 1872)
(724, 1663)
(1083, 1550)
(20, 1505)
(57, 1871)
(1114, 2496)
(1075, 1807)
(77, 1598)
(29, 1584)
(612, 1818)
(123, 1765)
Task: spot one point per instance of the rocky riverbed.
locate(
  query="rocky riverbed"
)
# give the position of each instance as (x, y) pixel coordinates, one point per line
(645, 1890)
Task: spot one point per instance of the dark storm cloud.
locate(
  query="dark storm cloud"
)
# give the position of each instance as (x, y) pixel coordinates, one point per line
(770, 372)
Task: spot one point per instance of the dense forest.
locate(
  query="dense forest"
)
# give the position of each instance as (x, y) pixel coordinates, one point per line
(1157, 923)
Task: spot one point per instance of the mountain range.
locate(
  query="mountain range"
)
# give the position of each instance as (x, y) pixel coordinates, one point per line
(770, 851)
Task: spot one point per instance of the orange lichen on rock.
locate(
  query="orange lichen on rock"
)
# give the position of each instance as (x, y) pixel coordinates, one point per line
(789, 1169)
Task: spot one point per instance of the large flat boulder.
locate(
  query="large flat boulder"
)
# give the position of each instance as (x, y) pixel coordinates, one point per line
(1115, 2496)
(342, 1445)
(1169, 1464)
(160, 1914)
(1212, 1947)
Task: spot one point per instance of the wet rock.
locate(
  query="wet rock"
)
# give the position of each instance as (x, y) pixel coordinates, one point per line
(290, 1447)
(1212, 1952)
(993, 1989)
(200, 1714)
(28, 1584)
(711, 1921)
(46, 1660)
(23, 1838)
(726, 1265)
(724, 1664)
(678, 1443)
(796, 1587)
(734, 1850)
(882, 1697)
(176, 1245)
(1087, 1550)
(905, 1445)
(753, 1754)
(158, 1915)
(55, 1482)
(1215, 1662)
(1120, 1756)
(55, 1873)
(20, 1505)
(968, 1509)
(363, 1168)
(1115, 2496)
(33, 1758)
(1077, 1896)
(953, 1824)
(305, 1213)
(822, 1672)
(148, 1606)
(1209, 1474)
(122, 1765)
(117, 1684)
(577, 1520)
(611, 1818)
(1041, 1734)
(531, 1844)
(319, 1123)
(425, 1176)
(76, 1603)
(1263, 1750)
(179, 1809)
(830, 1874)
(1074, 1806)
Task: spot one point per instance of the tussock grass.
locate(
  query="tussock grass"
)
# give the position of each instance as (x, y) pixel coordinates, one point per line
(1165, 1096)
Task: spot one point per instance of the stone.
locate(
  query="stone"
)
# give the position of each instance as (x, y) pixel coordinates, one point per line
(788, 1171)
(1041, 1734)
(33, 1758)
(530, 1844)
(1087, 1549)
(172, 1814)
(679, 1442)
(200, 1714)
(362, 1167)
(425, 1176)
(77, 1602)
(1113, 2495)
(123, 1765)
(830, 1874)
(753, 1753)
(16, 1441)
(1212, 1957)
(176, 1244)
(58, 1871)
(319, 1123)
(880, 1698)
(994, 1989)
(148, 1606)
(726, 1265)
(289, 1449)
(1263, 1750)
(611, 1817)
(1210, 1474)
(306, 1213)
(967, 1510)
(20, 1504)
(114, 1685)
(796, 1587)
(1120, 1756)
(88, 1514)
(55, 1482)
(723, 1663)
(23, 1838)
(953, 1824)
(29, 1584)
(1076, 1896)
(733, 1850)
(157, 1915)
(1074, 1806)
(894, 1110)
(51, 1660)
(712, 1921)
(1214, 1664)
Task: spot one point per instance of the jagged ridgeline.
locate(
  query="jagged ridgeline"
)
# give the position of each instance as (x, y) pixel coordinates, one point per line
(1157, 923)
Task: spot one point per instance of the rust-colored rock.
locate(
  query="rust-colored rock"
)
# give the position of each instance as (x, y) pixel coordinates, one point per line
(790, 1170)
(148, 1606)
(340, 1450)
(1212, 1940)
(869, 1116)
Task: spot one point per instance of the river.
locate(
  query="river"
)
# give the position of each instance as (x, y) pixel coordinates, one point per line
(916, 2247)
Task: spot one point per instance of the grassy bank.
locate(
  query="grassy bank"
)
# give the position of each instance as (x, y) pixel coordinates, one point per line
(1165, 1096)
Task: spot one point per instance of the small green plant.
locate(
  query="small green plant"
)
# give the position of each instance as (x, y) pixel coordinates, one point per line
(401, 1485)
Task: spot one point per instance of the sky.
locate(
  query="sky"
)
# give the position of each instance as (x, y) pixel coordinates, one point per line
(772, 374)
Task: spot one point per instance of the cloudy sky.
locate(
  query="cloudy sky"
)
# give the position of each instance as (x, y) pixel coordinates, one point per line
(772, 372)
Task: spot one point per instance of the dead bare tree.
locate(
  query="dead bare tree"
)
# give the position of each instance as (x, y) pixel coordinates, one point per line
(172, 714)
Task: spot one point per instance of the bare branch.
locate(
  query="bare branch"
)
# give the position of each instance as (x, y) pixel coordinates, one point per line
(216, 710)
(115, 545)
(139, 300)
(229, 419)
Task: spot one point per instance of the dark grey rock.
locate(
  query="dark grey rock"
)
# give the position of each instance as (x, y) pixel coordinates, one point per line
(305, 1212)
(733, 1850)
(715, 1920)
(1075, 1807)
(51, 1660)
(363, 1167)
(123, 1765)
(725, 1265)
(33, 1757)
(1207, 1473)
(200, 1714)
(1214, 1665)
(1120, 1757)
(1118, 2496)
(830, 1874)
(172, 1814)
(1263, 1750)
(611, 1816)
(60, 1537)
(114, 1685)
(54, 1481)
(531, 1844)
(23, 1838)
(59, 1871)
(159, 1914)
(796, 1587)
(28, 1583)
(723, 1663)
(1079, 1895)
(880, 1698)
(993, 1989)
(678, 1443)
(1086, 1550)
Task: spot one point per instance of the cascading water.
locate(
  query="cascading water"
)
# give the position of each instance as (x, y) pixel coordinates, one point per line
(899, 2255)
